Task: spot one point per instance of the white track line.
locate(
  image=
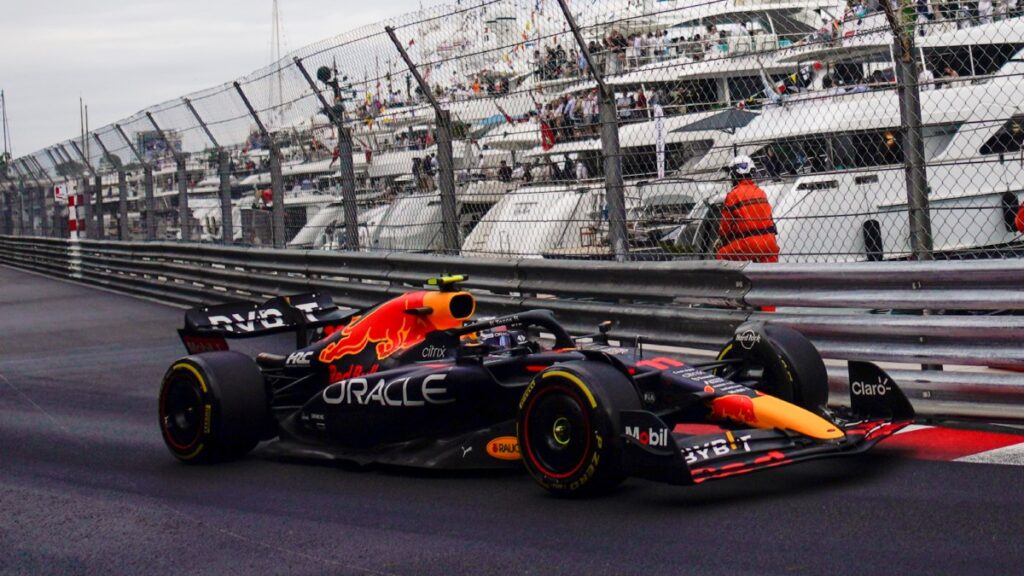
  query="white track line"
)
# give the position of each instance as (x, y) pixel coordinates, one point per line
(1012, 455)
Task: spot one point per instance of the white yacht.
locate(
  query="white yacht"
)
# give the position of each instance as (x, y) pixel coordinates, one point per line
(839, 186)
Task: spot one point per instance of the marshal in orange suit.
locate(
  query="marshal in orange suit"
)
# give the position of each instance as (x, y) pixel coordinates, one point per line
(747, 229)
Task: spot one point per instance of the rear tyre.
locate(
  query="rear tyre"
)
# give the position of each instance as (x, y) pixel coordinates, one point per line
(213, 407)
(568, 428)
(778, 361)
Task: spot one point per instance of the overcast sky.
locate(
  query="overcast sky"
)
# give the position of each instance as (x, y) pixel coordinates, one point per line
(124, 56)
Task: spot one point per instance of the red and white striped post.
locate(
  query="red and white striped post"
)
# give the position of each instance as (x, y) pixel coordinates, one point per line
(76, 225)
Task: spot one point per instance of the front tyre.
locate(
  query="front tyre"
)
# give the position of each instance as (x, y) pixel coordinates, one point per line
(778, 361)
(213, 407)
(568, 427)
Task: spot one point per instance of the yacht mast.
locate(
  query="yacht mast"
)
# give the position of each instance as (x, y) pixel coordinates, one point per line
(275, 58)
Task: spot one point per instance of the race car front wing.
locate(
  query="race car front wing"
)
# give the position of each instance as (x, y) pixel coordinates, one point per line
(656, 452)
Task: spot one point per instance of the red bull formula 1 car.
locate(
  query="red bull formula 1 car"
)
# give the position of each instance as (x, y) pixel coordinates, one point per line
(414, 381)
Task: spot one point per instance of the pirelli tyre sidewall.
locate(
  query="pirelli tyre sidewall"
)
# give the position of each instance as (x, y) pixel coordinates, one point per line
(212, 407)
(793, 368)
(568, 427)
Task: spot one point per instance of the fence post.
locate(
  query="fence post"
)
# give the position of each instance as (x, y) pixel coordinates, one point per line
(8, 214)
(224, 170)
(276, 182)
(38, 200)
(913, 141)
(12, 219)
(919, 219)
(445, 158)
(346, 166)
(57, 227)
(38, 206)
(610, 150)
(4, 229)
(21, 192)
(184, 217)
(3, 204)
(44, 223)
(147, 177)
(227, 215)
(122, 189)
(28, 188)
(44, 194)
(8, 191)
(87, 202)
(32, 191)
(98, 211)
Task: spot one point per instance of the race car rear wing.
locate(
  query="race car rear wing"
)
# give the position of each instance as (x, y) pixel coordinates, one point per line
(207, 328)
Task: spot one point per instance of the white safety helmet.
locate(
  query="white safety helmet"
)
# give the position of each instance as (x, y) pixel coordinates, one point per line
(742, 165)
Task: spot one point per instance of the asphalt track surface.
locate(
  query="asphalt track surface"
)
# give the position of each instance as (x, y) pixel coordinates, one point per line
(86, 486)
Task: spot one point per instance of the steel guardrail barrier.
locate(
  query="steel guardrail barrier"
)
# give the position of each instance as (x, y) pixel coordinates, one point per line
(846, 310)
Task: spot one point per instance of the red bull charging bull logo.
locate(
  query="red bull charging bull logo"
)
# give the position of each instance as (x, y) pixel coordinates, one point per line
(389, 337)
(399, 324)
(734, 407)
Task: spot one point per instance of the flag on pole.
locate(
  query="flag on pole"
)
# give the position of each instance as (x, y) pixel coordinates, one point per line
(508, 118)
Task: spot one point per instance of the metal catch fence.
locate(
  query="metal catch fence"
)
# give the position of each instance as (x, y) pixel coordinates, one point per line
(588, 131)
